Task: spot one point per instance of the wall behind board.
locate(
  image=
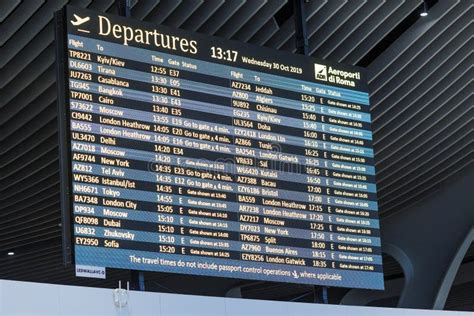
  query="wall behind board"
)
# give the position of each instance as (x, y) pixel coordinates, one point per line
(25, 298)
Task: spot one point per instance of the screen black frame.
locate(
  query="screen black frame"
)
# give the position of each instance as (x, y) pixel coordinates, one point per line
(62, 68)
(64, 129)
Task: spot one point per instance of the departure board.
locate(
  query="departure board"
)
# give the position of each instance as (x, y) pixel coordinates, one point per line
(186, 153)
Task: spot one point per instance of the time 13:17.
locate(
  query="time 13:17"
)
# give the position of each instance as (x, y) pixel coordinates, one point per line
(219, 53)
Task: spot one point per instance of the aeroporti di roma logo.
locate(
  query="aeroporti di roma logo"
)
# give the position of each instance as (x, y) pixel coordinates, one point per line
(321, 72)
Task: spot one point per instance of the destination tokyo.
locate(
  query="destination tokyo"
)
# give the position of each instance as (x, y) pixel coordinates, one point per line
(128, 34)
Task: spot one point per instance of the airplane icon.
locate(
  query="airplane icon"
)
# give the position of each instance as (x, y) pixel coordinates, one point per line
(79, 20)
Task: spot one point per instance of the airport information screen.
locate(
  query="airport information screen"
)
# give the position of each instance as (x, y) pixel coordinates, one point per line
(192, 154)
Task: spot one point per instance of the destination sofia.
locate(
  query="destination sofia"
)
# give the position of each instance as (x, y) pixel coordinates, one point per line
(130, 35)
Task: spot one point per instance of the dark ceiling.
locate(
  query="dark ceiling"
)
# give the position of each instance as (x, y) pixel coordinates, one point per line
(420, 72)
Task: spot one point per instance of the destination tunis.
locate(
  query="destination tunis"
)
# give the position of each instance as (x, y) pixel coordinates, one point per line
(190, 154)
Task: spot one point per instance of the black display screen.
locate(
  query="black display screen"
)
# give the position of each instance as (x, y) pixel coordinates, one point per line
(192, 154)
